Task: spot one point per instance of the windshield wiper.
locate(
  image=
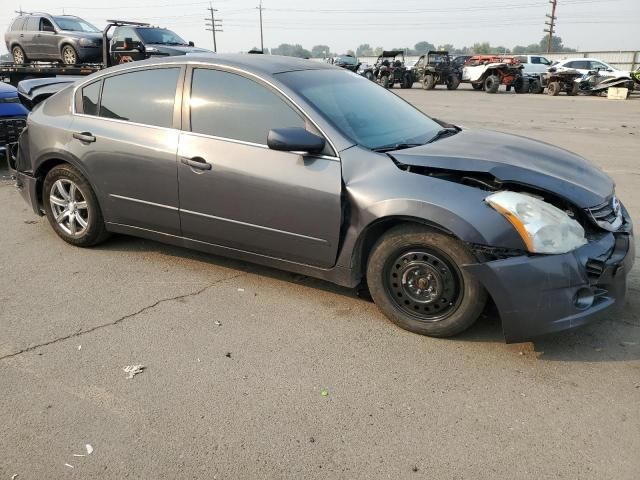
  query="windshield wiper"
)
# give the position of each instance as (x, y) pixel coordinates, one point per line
(445, 132)
(395, 146)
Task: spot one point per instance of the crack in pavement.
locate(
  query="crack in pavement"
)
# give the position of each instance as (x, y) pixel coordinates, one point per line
(121, 319)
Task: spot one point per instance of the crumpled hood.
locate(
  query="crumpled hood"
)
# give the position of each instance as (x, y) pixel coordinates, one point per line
(516, 159)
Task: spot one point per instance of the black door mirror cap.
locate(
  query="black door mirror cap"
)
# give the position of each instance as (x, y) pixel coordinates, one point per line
(191, 44)
(295, 139)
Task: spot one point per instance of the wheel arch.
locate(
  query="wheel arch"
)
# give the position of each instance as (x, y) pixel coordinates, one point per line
(51, 160)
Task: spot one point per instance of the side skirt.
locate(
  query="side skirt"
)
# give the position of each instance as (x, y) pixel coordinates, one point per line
(338, 275)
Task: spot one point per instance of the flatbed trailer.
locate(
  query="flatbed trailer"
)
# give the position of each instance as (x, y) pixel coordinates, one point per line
(14, 73)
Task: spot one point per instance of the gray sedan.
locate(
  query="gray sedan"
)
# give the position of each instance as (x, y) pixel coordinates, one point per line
(310, 168)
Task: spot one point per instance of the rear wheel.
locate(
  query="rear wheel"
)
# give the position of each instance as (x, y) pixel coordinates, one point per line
(415, 277)
(572, 90)
(406, 81)
(535, 86)
(491, 84)
(428, 82)
(553, 89)
(69, 55)
(384, 81)
(18, 54)
(521, 85)
(453, 81)
(72, 208)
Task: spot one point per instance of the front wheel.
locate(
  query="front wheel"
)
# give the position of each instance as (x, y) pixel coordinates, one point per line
(415, 277)
(369, 76)
(385, 81)
(72, 207)
(491, 84)
(453, 81)
(69, 55)
(553, 89)
(428, 82)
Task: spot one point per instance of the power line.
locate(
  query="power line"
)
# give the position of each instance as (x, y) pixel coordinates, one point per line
(214, 25)
(551, 23)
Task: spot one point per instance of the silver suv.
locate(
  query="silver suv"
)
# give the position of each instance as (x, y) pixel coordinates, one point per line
(44, 37)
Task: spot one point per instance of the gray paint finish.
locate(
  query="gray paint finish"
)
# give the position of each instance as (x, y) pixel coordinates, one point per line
(314, 214)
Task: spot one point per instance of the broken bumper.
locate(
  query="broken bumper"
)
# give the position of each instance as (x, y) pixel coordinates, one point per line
(26, 184)
(542, 294)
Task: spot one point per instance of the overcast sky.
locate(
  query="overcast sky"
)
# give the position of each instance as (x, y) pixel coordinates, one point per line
(345, 24)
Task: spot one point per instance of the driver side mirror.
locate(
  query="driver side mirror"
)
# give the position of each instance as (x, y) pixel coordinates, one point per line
(191, 44)
(294, 139)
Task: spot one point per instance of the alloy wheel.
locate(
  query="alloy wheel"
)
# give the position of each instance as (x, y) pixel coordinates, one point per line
(424, 284)
(69, 55)
(18, 55)
(69, 207)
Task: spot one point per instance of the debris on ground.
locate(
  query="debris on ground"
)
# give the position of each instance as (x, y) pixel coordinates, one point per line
(133, 370)
(228, 354)
(14, 476)
(89, 449)
(217, 323)
(79, 347)
(241, 289)
(69, 465)
(30, 222)
(324, 393)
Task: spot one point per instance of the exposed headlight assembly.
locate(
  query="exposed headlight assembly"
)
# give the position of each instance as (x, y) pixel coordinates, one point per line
(543, 227)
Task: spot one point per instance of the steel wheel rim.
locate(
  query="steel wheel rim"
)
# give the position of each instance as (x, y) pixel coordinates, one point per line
(69, 207)
(69, 56)
(18, 56)
(424, 284)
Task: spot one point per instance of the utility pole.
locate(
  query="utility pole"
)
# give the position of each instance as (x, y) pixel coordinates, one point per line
(551, 22)
(259, 7)
(213, 25)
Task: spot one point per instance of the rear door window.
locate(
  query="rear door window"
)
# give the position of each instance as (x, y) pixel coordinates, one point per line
(231, 106)
(143, 96)
(90, 97)
(33, 24)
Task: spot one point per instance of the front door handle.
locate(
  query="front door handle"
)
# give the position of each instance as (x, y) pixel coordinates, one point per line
(84, 137)
(198, 163)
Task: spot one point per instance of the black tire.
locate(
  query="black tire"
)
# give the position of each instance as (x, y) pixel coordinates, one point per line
(369, 75)
(384, 81)
(553, 89)
(453, 81)
(94, 232)
(19, 57)
(521, 85)
(68, 55)
(404, 267)
(406, 81)
(535, 86)
(572, 90)
(491, 84)
(428, 82)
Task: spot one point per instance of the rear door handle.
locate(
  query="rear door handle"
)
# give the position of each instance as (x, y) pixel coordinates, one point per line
(198, 163)
(84, 137)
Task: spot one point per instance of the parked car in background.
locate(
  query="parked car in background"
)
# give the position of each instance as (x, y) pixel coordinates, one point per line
(303, 166)
(137, 42)
(586, 65)
(533, 64)
(345, 61)
(12, 117)
(44, 37)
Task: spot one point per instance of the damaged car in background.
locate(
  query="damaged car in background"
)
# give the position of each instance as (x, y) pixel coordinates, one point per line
(306, 167)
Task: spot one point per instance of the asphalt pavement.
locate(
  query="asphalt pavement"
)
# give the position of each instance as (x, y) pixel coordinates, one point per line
(254, 373)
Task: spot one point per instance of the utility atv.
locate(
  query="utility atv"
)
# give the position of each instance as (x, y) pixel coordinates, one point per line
(488, 72)
(390, 69)
(557, 82)
(434, 68)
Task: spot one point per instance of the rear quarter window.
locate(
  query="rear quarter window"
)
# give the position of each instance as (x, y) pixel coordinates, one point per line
(90, 97)
(17, 24)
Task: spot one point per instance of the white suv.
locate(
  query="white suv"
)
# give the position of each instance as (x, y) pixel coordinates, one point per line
(585, 65)
(533, 63)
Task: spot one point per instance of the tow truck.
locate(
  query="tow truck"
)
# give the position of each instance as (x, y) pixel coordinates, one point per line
(15, 73)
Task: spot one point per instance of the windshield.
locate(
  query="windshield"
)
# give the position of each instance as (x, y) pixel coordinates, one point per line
(346, 60)
(161, 36)
(364, 112)
(72, 24)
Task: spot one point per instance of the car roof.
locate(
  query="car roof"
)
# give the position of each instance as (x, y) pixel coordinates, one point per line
(257, 64)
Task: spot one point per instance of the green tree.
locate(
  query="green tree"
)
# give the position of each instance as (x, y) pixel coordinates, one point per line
(289, 50)
(320, 51)
(481, 48)
(557, 45)
(447, 47)
(423, 47)
(364, 50)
